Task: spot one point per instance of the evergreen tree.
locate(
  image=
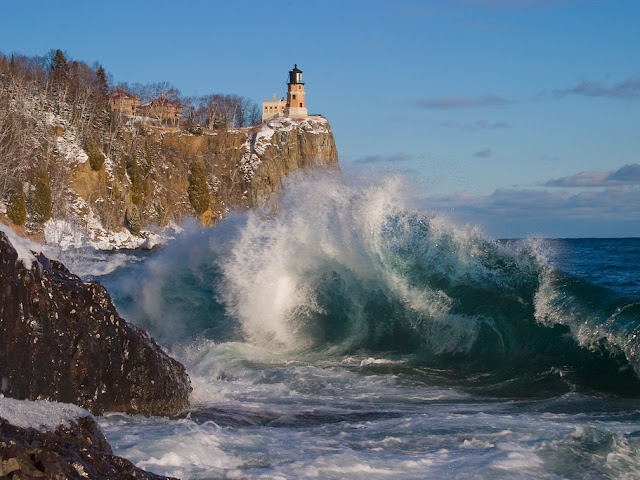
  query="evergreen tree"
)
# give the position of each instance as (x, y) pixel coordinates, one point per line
(136, 181)
(148, 156)
(103, 85)
(103, 117)
(17, 207)
(133, 220)
(96, 158)
(59, 67)
(41, 197)
(199, 195)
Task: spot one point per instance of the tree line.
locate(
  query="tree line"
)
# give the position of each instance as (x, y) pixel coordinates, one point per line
(43, 96)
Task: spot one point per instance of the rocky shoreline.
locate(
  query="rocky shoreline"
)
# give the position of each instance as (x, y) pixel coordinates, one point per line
(62, 340)
(75, 448)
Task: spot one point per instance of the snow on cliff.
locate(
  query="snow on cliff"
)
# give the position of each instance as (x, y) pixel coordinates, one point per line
(256, 145)
(66, 235)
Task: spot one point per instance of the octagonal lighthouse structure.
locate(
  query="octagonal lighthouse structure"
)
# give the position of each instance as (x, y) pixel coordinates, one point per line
(295, 105)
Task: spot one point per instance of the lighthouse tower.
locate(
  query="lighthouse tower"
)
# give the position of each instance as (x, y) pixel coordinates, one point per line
(296, 106)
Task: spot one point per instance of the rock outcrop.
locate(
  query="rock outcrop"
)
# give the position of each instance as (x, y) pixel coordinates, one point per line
(62, 339)
(232, 169)
(73, 449)
(160, 177)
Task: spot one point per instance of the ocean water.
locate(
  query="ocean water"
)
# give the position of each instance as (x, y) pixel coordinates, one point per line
(350, 335)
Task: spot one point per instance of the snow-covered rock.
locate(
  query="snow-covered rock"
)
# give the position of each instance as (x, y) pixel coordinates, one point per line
(55, 440)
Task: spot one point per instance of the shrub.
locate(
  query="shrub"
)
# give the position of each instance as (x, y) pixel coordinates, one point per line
(135, 176)
(96, 158)
(40, 199)
(17, 207)
(199, 195)
(133, 220)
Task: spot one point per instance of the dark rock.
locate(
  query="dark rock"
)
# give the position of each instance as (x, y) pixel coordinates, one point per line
(62, 339)
(70, 452)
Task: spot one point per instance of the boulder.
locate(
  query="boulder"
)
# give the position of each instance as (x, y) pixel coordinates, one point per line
(69, 447)
(62, 339)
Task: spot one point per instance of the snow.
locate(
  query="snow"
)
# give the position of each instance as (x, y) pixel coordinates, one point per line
(67, 235)
(248, 165)
(312, 124)
(41, 415)
(68, 149)
(256, 146)
(23, 246)
(88, 231)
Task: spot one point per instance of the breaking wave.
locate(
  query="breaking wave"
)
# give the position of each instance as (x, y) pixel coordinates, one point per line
(340, 270)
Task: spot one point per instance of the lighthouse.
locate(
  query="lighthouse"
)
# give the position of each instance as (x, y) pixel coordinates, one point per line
(296, 106)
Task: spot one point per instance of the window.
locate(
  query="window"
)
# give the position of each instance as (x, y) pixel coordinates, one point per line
(300, 104)
(294, 96)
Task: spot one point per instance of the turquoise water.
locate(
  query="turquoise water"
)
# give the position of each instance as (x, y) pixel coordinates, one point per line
(349, 336)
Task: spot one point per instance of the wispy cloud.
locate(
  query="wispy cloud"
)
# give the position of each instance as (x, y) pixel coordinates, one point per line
(627, 175)
(462, 102)
(627, 89)
(377, 159)
(609, 211)
(477, 125)
(484, 153)
(557, 213)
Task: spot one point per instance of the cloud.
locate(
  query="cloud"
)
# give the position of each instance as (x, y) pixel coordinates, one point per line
(628, 89)
(394, 158)
(627, 175)
(462, 102)
(477, 125)
(484, 153)
(509, 213)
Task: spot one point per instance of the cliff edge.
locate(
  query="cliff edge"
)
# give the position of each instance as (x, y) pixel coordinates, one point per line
(154, 178)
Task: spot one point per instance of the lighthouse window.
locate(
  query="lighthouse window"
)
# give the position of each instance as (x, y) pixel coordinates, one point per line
(294, 96)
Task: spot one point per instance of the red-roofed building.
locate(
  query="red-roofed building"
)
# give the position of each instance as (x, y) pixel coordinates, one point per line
(161, 109)
(123, 102)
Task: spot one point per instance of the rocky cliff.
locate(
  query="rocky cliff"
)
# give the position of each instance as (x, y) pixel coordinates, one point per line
(75, 169)
(158, 177)
(62, 339)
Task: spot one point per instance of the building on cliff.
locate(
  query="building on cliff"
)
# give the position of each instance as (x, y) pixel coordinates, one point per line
(294, 106)
(161, 109)
(123, 102)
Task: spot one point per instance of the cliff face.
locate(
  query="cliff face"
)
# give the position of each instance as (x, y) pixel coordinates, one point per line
(62, 339)
(165, 176)
(73, 166)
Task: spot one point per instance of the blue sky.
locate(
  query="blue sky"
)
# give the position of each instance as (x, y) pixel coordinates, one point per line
(521, 116)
